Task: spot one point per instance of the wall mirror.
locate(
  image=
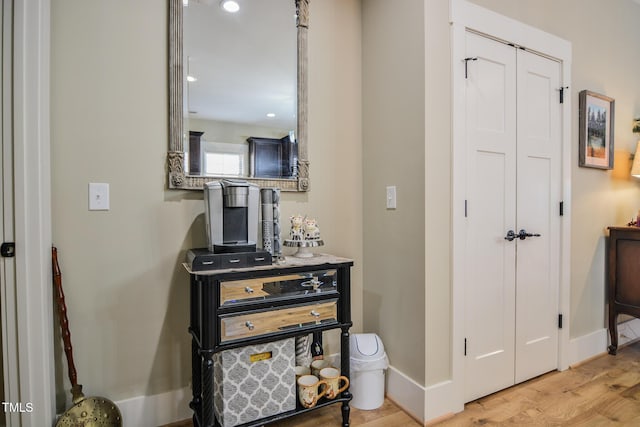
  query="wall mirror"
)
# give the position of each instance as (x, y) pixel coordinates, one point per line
(238, 93)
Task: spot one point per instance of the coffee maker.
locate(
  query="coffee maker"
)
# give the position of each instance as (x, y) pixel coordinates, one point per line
(231, 215)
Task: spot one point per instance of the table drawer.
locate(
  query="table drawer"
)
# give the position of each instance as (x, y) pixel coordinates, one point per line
(264, 322)
(274, 287)
(238, 290)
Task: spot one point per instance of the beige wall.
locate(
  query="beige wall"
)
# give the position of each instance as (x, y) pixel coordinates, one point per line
(125, 289)
(604, 36)
(393, 134)
(379, 119)
(217, 131)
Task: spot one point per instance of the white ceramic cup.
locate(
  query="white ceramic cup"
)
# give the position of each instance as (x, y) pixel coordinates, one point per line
(308, 390)
(332, 377)
(318, 365)
(302, 370)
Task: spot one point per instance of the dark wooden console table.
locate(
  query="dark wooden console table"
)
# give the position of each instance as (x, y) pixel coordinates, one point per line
(233, 308)
(623, 277)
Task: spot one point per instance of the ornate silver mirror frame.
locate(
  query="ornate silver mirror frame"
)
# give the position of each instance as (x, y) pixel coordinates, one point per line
(175, 156)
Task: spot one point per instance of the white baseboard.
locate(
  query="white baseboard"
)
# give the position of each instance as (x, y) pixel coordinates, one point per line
(441, 400)
(156, 410)
(587, 346)
(407, 393)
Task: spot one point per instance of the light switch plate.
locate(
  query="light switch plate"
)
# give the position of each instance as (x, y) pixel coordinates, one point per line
(391, 197)
(98, 196)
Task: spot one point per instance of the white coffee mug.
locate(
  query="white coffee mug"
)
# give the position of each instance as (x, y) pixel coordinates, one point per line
(317, 365)
(332, 377)
(308, 390)
(302, 370)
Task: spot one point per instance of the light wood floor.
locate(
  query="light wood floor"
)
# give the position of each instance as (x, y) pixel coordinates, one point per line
(602, 392)
(388, 415)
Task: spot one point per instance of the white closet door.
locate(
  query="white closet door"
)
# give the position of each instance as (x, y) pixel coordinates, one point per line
(539, 194)
(513, 184)
(491, 211)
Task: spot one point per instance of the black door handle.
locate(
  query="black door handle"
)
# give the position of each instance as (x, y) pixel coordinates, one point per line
(522, 234)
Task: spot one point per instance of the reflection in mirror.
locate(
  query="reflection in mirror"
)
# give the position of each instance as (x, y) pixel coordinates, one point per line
(238, 107)
(241, 80)
(272, 157)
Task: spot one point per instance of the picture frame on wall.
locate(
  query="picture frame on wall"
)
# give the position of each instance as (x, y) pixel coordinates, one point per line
(596, 118)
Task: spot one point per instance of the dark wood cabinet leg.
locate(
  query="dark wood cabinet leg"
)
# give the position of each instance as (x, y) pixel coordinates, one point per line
(345, 414)
(345, 368)
(613, 331)
(196, 385)
(345, 360)
(208, 416)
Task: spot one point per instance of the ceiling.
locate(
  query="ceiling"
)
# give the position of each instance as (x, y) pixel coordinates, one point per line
(245, 63)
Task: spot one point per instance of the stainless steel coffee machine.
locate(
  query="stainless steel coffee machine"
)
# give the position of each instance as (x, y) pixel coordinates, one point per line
(231, 215)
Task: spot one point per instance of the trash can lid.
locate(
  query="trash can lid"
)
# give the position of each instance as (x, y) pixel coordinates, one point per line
(366, 346)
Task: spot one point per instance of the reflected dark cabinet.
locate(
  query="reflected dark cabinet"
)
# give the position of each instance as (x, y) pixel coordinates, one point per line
(195, 142)
(273, 158)
(623, 277)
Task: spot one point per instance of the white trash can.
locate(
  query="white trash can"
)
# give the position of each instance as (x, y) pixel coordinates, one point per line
(367, 363)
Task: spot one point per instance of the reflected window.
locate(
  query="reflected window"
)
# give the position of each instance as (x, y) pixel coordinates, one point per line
(222, 158)
(223, 164)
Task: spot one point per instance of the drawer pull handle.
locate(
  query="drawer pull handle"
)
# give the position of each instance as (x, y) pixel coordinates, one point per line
(249, 325)
(248, 290)
(234, 261)
(259, 259)
(311, 283)
(315, 313)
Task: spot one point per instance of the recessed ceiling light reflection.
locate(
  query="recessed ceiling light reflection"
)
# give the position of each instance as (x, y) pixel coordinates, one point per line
(271, 115)
(230, 6)
(191, 79)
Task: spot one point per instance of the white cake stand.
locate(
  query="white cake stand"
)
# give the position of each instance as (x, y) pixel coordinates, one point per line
(304, 246)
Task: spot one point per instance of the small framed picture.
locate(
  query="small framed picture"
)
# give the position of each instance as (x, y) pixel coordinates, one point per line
(596, 119)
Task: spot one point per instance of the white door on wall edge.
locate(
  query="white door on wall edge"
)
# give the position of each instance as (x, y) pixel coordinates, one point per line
(513, 184)
(10, 381)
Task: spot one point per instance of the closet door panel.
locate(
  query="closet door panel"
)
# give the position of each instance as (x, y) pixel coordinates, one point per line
(539, 194)
(491, 186)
